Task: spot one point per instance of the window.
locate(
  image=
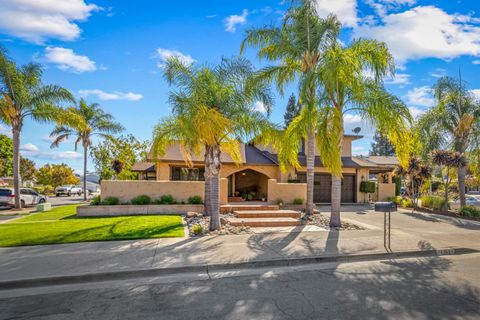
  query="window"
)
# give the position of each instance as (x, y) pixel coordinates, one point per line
(5, 192)
(187, 174)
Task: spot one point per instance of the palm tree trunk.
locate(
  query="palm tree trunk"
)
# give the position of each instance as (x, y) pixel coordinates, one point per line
(16, 164)
(310, 170)
(445, 205)
(462, 172)
(215, 166)
(85, 173)
(336, 201)
(207, 175)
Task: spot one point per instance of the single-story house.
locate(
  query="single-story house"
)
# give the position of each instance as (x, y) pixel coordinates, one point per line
(257, 178)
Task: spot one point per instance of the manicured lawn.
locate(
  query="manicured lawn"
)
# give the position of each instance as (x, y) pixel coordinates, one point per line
(62, 226)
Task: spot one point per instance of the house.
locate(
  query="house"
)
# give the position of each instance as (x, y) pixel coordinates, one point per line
(257, 178)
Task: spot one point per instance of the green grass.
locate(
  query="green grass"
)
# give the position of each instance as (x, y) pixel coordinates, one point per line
(60, 225)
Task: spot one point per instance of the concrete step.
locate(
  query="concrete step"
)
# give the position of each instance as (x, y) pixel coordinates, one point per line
(247, 207)
(267, 214)
(264, 222)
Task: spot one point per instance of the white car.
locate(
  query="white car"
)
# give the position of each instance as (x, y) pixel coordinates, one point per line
(68, 190)
(471, 201)
(28, 197)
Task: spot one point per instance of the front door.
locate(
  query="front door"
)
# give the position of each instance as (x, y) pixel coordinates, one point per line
(322, 188)
(348, 189)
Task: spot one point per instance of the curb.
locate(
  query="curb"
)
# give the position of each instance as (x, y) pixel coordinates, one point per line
(207, 268)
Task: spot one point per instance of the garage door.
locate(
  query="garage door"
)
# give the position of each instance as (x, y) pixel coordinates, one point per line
(322, 190)
(348, 189)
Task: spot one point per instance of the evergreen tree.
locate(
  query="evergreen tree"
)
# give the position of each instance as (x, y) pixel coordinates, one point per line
(381, 146)
(292, 111)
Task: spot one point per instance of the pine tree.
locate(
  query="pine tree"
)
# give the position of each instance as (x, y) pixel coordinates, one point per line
(381, 146)
(292, 111)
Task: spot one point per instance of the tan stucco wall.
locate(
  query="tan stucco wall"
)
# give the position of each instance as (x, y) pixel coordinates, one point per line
(385, 191)
(127, 190)
(223, 191)
(346, 147)
(287, 192)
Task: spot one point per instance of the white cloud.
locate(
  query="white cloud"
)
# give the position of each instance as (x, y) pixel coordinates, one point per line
(352, 118)
(116, 95)
(36, 21)
(416, 112)
(438, 73)
(359, 151)
(6, 131)
(345, 10)
(476, 61)
(29, 147)
(259, 106)
(476, 93)
(164, 54)
(232, 21)
(68, 60)
(421, 96)
(399, 78)
(50, 155)
(383, 6)
(425, 31)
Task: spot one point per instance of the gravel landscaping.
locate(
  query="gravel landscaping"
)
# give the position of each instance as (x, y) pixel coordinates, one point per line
(193, 219)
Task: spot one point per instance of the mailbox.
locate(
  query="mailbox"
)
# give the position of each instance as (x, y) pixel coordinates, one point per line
(385, 206)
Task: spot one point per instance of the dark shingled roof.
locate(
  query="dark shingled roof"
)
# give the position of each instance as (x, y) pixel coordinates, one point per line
(143, 166)
(256, 156)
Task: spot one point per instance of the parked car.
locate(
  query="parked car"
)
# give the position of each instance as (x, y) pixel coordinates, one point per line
(28, 197)
(471, 201)
(68, 190)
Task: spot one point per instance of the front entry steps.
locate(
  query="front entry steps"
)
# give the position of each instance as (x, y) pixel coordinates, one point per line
(247, 207)
(265, 218)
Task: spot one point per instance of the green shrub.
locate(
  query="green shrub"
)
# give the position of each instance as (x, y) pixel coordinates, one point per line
(46, 190)
(279, 202)
(470, 211)
(367, 187)
(298, 201)
(167, 199)
(197, 229)
(195, 200)
(435, 203)
(110, 201)
(142, 200)
(407, 203)
(398, 185)
(96, 201)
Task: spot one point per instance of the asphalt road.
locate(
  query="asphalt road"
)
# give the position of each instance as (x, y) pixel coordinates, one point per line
(425, 288)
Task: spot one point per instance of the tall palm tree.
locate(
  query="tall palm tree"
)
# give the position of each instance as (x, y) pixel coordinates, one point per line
(84, 122)
(451, 123)
(212, 110)
(352, 81)
(297, 47)
(22, 96)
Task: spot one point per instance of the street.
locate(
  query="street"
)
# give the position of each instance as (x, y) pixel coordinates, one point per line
(424, 288)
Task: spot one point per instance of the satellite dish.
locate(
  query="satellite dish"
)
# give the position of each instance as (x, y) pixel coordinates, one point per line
(357, 130)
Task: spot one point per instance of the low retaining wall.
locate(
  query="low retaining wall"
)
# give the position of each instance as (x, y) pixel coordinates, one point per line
(132, 210)
(287, 192)
(127, 190)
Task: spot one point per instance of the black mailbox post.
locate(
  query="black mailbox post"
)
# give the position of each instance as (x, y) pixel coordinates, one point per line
(386, 208)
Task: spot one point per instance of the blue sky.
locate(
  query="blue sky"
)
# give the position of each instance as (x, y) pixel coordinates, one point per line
(111, 52)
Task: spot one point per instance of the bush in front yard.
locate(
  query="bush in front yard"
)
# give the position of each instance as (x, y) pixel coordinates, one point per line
(110, 201)
(197, 229)
(142, 200)
(167, 199)
(298, 201)
(470, 211)
(435, 203)
(368, 186)
(407, 203)
(195, 200)
(96, 201)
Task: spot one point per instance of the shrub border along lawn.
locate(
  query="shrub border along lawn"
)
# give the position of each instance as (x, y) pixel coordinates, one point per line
(60, 225)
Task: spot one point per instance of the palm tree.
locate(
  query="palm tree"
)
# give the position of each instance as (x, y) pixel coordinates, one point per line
(351, 78)
(298, 47)
(212, 110)
(451, 123)
(447, 160)
(24, 97)
(84, 122)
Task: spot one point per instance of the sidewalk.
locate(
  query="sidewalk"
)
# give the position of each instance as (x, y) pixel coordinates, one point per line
(410, 232)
